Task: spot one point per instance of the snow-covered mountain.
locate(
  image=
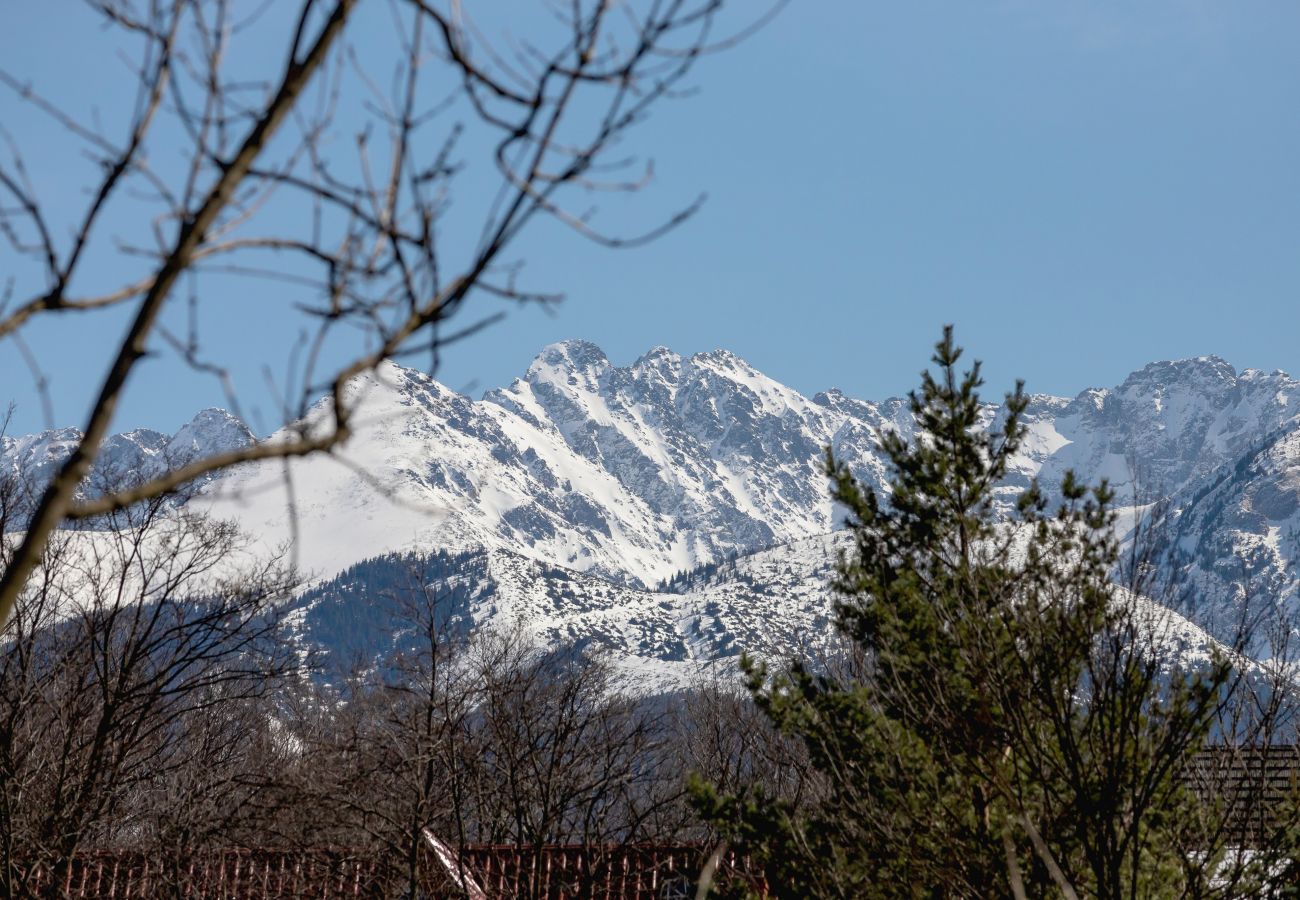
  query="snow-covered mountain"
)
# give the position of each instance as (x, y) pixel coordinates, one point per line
(1168, 426)
(1233, 538)
(131, 456)
(630, 473)
(603, 481)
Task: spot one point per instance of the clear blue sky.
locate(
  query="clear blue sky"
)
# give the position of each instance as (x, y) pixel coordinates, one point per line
(1080, 187)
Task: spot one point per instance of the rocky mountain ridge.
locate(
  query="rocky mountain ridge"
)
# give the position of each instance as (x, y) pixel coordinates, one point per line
(629, 475)
(140, 453)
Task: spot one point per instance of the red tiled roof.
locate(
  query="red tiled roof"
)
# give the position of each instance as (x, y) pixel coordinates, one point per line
(229, 873)
(627, 873)
(502, 872)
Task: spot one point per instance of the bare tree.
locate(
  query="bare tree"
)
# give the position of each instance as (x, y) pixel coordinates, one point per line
(571, 756)
(387, 751)
(725, 738)
(129, 668)
(377, 260)
(489, 739)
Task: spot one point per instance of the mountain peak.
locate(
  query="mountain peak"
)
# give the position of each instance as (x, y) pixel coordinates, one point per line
(573, 355)
(723, 358)
(655, 356)
(638, 472)
(1198, 368)
(212, 430)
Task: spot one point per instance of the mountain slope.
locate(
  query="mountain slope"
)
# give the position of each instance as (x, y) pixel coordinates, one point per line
(1230, 542)
(776, 604)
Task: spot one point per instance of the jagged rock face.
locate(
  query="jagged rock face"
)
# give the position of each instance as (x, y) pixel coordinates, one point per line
(212, 431)
(632, 474)
(709, 448)
(1230, 543)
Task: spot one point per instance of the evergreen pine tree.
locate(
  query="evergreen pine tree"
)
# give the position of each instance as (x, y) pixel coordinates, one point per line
(1007, 728)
